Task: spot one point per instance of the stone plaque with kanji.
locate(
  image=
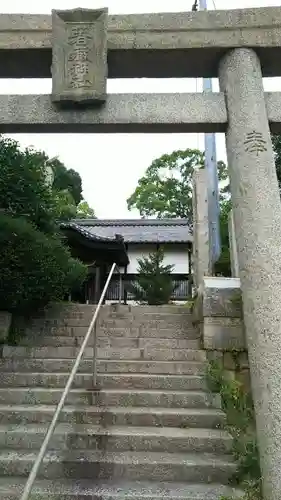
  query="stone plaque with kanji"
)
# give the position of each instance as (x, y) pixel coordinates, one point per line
(79, 61)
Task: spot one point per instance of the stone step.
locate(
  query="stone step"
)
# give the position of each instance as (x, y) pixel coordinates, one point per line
(106, 380)
(69, 309)
(131, 331)
(103, 366)
(144, 332)
(107, 342)
(153, 367)
(152, 354)
(209, 418)
(181, 322)
(153, 466)
(133, 309)
(111, 397)
(145, 323)
(113, 438)
(10, 489)
(106, 353)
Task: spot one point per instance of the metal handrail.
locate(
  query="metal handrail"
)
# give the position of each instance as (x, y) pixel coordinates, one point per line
(33, 473)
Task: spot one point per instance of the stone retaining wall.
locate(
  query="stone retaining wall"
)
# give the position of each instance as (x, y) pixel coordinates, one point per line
(218, 313)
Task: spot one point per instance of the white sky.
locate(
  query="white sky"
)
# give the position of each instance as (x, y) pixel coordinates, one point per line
(110, 165)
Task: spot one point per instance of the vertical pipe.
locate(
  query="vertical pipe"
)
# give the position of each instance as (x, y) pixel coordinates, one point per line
(212, 175)
(120, 287)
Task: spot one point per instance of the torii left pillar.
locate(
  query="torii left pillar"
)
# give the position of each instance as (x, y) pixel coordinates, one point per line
(257, 220)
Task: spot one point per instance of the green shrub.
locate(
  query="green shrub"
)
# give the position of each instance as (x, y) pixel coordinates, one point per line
(154, 283)
(240, 422)
(34, 268)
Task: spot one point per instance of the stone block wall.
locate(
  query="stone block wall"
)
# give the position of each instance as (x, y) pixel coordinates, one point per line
(218, 313)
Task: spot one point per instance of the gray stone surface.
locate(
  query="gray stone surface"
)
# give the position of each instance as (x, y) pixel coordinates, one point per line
(201, 247)
(257, 218)
(108, 380)
(126, 113)
(204, 418)
(222, 302)
(224, 334)
(121, 113)
(121, 438)
(233, 246)
(150, 45)
(10, 488)
(150, 420)
(110, 397)
(104, 366)
(117, 353)
(79, 56)
(133, 466)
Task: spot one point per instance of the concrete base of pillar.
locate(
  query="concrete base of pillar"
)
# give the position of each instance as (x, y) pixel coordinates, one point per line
(218, 311)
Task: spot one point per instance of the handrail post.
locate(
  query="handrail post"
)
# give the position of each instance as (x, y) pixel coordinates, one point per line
(33, 473)
(120, 287)
(95, 356)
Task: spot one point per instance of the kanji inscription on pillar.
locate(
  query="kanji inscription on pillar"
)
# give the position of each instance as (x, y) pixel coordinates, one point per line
(255, 143)
(79, 61)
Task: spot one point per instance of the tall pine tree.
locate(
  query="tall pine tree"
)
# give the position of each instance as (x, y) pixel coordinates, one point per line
(154, 283)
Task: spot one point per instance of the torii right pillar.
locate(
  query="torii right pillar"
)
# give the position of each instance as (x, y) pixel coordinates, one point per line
(257, 220)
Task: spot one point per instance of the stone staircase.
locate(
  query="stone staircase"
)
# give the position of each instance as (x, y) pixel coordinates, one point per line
(151, 431)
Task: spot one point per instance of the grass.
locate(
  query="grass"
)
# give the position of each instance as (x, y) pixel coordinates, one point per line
(240, 423)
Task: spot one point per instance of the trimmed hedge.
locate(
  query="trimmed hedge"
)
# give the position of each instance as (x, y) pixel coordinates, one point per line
(34, 268)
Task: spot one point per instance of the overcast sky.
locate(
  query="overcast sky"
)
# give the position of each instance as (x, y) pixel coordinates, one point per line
(110, 165)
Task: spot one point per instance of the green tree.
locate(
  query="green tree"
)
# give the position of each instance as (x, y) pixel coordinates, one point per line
(276, 142)
(26, 187)
(84, 211)
(166, 188)
(66, 180)
(65, 205)
(35, 266)
(154, 284)
(23, 188)
(223, 265)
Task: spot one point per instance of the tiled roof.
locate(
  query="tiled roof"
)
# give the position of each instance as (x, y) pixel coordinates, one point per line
(84, 230)
(139, 230)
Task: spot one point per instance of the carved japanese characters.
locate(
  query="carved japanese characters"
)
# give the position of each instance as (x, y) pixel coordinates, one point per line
(79, 61)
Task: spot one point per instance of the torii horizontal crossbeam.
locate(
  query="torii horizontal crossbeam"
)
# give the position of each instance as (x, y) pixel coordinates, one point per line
(182, 44)
(130, 113)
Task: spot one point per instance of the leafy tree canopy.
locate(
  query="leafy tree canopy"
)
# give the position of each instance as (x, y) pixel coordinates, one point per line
(84, 211)
(65, 205)
(23, 188)
(166, 188)
(66, 180)
(38, 188)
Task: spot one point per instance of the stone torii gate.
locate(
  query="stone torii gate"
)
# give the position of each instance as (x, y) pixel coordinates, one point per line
(81, 48)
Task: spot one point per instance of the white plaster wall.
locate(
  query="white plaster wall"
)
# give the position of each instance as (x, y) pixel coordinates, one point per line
(175, 255)
(138, 252)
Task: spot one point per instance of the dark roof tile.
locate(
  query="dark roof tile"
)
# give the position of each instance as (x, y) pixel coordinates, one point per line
(139, 230)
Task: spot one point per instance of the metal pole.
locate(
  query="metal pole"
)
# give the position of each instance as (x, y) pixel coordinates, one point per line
(212, 174)
(120, 287)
